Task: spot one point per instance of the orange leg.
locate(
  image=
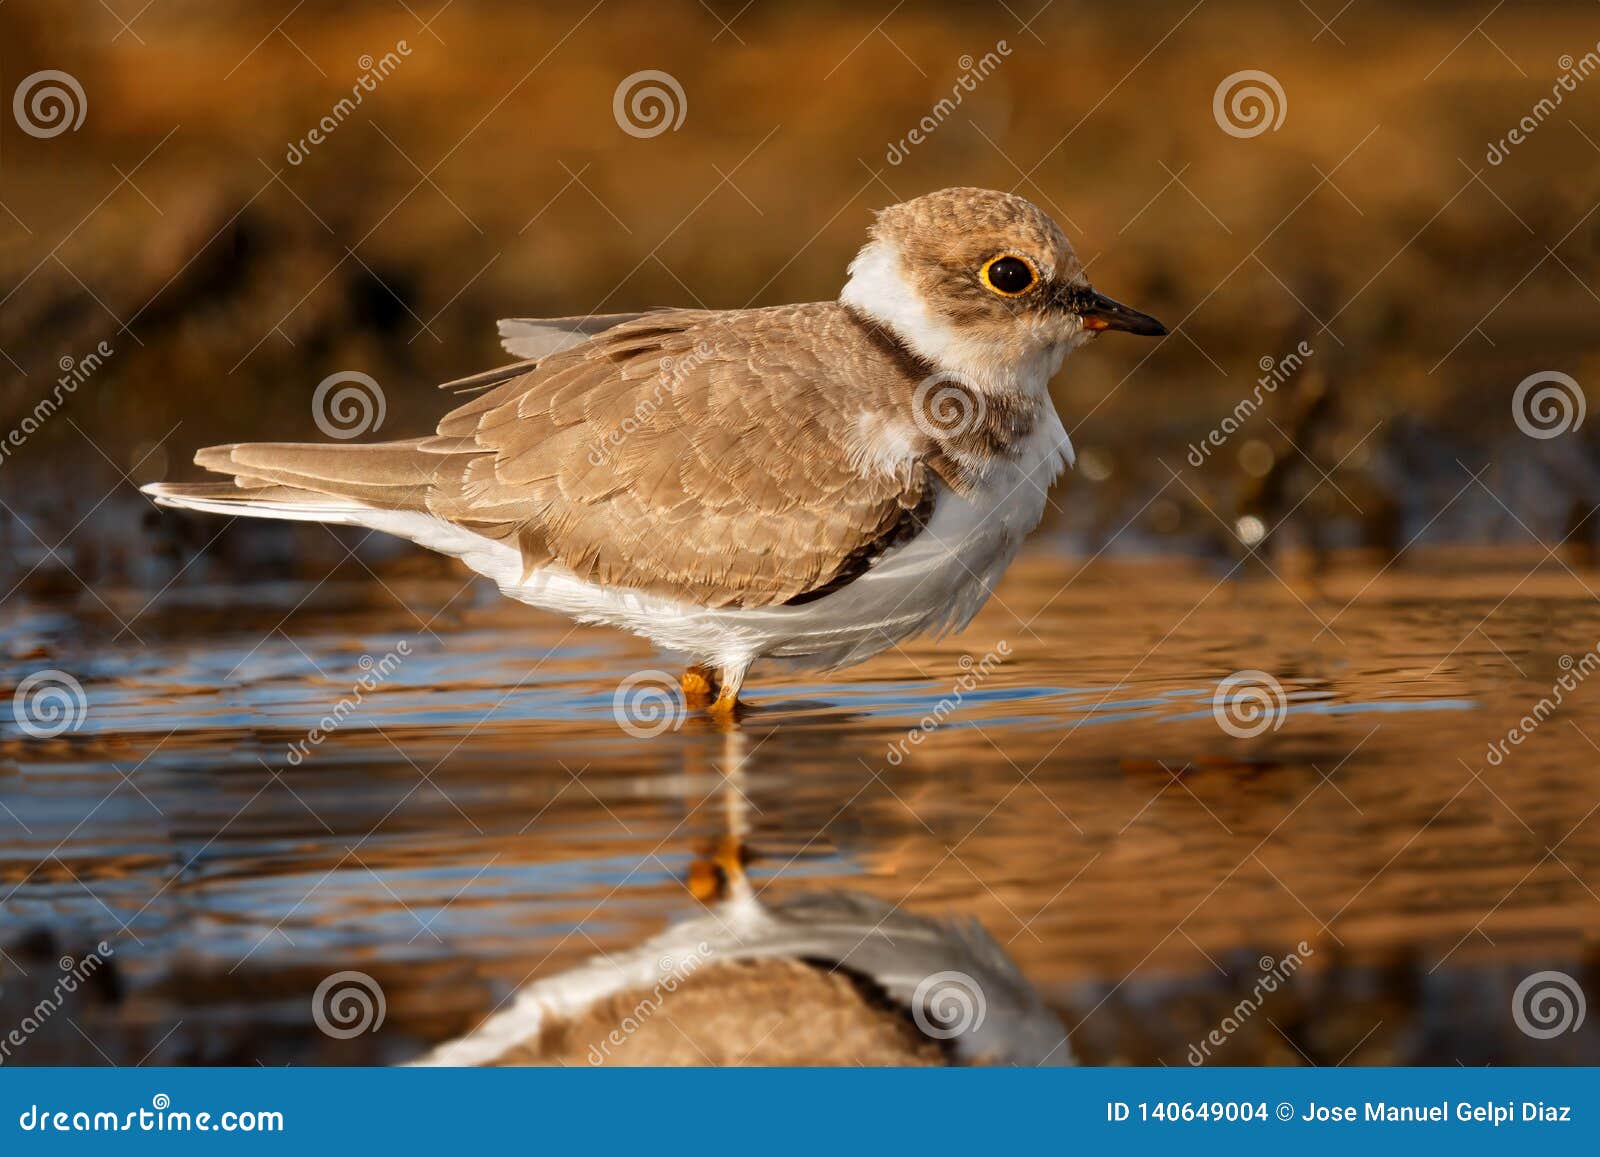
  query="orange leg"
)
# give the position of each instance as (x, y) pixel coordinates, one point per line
(699, 685)
(716, 868)
(725, 708)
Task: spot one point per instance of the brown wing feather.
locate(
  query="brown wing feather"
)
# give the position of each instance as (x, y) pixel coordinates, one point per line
(719, 458)
(712, 457)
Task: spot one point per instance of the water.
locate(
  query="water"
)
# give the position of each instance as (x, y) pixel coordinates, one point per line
(475, 818)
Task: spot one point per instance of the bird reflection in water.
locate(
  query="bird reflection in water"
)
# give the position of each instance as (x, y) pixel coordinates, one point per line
(820, 978)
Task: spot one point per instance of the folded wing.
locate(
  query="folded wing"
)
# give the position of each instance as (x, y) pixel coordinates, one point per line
(719, 458)
(714, 457)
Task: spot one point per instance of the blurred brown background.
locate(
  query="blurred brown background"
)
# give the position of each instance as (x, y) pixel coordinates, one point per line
(485, 175)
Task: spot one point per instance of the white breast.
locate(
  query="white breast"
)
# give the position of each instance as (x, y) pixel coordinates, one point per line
(938, 580)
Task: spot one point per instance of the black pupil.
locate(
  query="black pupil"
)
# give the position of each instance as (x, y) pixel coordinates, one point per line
(1010, 275)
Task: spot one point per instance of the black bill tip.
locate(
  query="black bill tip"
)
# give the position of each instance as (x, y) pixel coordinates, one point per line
(1099, 312)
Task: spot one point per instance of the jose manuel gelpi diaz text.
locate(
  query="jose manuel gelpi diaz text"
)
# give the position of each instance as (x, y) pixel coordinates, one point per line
(1492, 1113)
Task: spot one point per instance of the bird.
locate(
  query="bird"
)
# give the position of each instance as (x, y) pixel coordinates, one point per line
(804, 485)
(823, 978)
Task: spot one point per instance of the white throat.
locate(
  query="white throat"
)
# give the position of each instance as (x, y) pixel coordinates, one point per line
(878, 287)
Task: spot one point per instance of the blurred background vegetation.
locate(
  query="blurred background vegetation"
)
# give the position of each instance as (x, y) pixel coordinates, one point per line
(485, 175)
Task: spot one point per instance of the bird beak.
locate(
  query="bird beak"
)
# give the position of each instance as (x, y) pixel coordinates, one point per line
(1098, 312)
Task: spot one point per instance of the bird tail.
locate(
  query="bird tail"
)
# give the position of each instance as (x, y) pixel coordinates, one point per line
(309, 482)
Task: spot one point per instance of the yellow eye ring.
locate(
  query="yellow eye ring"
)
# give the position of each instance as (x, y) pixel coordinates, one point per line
(1001, 274)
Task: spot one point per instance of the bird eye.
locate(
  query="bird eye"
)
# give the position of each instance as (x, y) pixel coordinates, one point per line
(1008, 275)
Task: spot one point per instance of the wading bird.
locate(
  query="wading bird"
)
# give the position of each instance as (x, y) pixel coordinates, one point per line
(803, 483)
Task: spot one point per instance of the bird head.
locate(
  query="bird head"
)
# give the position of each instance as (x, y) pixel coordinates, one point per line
(983, 284)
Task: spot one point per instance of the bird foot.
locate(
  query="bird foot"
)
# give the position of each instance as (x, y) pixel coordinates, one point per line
(718, 869)
(726, 708)
(699, 685)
